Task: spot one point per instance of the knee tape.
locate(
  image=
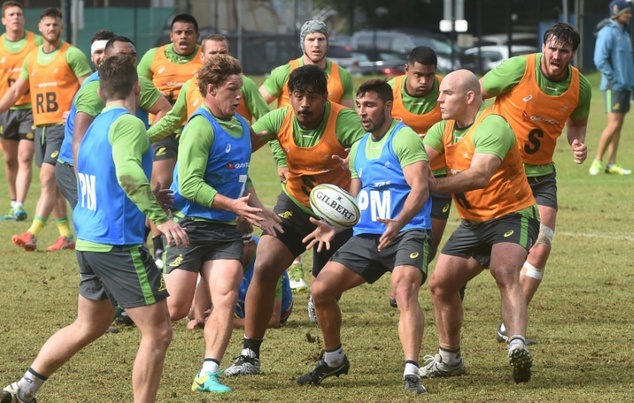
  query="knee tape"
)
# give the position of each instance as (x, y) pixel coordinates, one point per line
(545, 236)
(534, 272)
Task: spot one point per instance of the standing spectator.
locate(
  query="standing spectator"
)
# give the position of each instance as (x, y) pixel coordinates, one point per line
(613, 58)
(52, 73)
(500, 220)
(169, 67)
(115, 267)
(539, 94)
(389, 163)
(16, 124)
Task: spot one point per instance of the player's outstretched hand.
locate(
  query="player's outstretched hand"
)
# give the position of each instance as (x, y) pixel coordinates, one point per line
(322, 235)
(241, 207)
(343, 162)
(579, 151)
(174, 234)
(165, 197)
(270, 222)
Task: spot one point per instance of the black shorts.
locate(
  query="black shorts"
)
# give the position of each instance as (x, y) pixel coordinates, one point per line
(66, 182)
(360, 254)
(545, 189)
(48, 141)
(475, 239)
(127, 276)
(440, 205)
(207, 241)
(17, 124)
(296, 225)
(617, 101)
(167, 148)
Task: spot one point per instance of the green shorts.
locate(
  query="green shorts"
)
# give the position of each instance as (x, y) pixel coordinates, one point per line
(360, 254)
(475, 239)
(127, 276)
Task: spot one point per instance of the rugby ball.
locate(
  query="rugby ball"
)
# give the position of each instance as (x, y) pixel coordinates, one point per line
(334, 205)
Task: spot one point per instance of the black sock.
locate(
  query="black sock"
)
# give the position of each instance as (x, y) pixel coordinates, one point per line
(253, 345)
(157, 241)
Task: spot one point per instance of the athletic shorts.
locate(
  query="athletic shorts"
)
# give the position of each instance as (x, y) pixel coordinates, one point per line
(166, 149)
(617, 101)
(475, 239)
(296, 225)
(67, 182)
(17, 124)
(207, 241)
(545, 189)
(127, 276)
(48, 141)
(440, 205)
(360, 254)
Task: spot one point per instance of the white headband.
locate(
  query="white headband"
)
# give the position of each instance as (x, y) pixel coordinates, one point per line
(98, 45)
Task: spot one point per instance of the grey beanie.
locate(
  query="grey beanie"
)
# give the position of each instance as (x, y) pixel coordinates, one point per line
(308, 28)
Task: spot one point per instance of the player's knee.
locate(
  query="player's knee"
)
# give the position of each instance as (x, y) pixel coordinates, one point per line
(546, 235)
(533, 272)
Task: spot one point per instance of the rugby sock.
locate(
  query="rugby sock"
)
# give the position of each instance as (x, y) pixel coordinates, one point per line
(516, 341)
(13, 202)
(334, 357)
(210, 365)
(16, 204)
(253, 345)
(411, 368)
(29, 384)
(449, 357)
(37, 225)
(63, 227)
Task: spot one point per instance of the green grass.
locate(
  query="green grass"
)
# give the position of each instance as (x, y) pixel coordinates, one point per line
(581, 316)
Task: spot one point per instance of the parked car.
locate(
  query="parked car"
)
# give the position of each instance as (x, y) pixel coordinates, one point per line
(517, 38)
(381, 63)
(491, 56)
(402, 42)
(342, 55)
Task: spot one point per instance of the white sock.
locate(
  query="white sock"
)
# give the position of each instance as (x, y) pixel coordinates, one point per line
(449, 357)
(411, 368)
(28, 385)
(334, 358)
(16, 204)
(516, 341)
(210, 365)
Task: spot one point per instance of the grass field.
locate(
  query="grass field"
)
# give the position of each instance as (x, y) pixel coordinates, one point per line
(581, 316)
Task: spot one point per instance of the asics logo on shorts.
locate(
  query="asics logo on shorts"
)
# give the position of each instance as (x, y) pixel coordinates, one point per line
(508, 233)
(177, 262)
(414, 255)
(445, 208)
(54, 154)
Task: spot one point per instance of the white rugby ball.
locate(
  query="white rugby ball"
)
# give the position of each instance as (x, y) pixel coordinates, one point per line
(334, 205)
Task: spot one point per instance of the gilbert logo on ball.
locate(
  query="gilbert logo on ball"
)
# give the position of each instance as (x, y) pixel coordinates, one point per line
(334, 205)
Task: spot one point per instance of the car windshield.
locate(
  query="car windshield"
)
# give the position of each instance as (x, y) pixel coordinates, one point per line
(338, 51)
(361, 57)
(439, 45)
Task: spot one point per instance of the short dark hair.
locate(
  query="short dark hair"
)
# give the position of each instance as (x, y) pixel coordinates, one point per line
(378, 86)
(8, 4)
(216, 70)
(565, 33)
(53, 12)
(308, 78)
(102, 35)
(117, 38)
(187, 18)
(117, 76)
(423, 55)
